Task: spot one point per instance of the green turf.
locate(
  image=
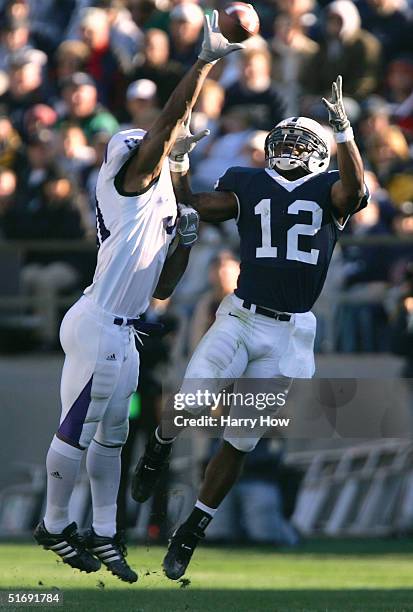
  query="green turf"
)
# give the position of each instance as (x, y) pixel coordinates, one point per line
(322, 576)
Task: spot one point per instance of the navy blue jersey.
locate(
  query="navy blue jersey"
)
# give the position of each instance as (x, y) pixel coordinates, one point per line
(287, 232)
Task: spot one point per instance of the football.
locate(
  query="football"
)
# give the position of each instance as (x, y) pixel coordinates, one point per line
(238, 21)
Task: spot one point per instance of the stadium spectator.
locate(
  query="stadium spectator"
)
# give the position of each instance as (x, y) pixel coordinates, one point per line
(361, 318)
(125, 36)
(291, 52)
(375, 117)
(225, 150)
(153, 63)
(296, 9)
(345, 49)
(14, 36)
(255, 90)
(142, 103)
(48, 19)
(388, 21)
(26, 85)
(146, 15)
(89, 178)
(400, 93)
(254, 150)
(71, 56)
(388, 154)
(82, 107)
(207, 115)
(34, 166)
(185, 33)
(73, 152)
(38, 117)
(103, 64)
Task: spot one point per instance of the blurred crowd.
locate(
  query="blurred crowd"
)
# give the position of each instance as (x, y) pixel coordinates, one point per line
(73, 72)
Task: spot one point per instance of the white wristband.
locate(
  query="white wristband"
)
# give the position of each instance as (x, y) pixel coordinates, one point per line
(344, 136)
(179, 166)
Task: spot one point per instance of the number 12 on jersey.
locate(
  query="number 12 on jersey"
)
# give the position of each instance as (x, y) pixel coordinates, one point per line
(263, 209)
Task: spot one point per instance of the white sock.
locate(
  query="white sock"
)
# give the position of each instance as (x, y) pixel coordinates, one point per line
(62, 464)
(103, 467)
(205, 508)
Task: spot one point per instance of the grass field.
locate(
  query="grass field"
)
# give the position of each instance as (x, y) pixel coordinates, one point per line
(343, 576)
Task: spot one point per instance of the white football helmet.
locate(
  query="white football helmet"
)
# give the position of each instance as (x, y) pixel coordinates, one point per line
(298, 142)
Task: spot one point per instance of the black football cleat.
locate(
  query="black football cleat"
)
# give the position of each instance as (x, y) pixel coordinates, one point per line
(150, 469)
(69, 545)
(180, 550)
(112, 553)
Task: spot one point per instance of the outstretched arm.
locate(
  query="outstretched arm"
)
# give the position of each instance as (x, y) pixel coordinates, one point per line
(215, 207)
(347, 193)
(146, 165)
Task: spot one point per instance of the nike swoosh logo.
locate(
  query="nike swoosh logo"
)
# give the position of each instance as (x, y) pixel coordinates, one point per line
(232, 315)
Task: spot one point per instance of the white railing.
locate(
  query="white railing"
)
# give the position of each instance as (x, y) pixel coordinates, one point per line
(363, 490)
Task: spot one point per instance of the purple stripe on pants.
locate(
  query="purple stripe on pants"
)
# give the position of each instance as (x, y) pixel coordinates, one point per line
(71, 426)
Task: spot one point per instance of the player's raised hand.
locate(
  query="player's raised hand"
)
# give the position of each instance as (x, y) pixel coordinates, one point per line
(184, 144)
(215, 45)
(337, 116)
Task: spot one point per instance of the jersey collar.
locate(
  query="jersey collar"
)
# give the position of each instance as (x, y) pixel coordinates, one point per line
(283, 182)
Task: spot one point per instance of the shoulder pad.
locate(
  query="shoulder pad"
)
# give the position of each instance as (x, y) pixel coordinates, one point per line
(119, 148)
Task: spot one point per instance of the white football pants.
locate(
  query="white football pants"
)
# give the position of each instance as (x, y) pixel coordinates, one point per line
(100, 373)
(243, 344)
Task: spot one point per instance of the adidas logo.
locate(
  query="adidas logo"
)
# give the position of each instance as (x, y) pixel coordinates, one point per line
(56, 475)
(111, 357)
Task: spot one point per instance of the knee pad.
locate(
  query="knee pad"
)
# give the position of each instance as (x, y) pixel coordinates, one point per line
(112, 432)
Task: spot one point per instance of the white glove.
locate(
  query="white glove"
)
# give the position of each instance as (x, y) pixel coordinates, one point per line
(337, 116)
(188, 224)
(215, 45)
(184, 144)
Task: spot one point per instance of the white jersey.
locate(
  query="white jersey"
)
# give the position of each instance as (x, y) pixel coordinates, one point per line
(134, 233)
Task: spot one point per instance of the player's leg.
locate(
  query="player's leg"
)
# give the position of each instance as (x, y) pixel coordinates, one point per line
(220, 356)
(88, 381)
(103, 464)
(225, 467)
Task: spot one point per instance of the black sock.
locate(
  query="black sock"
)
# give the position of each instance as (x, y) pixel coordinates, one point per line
(198, 520)
(157, 450)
